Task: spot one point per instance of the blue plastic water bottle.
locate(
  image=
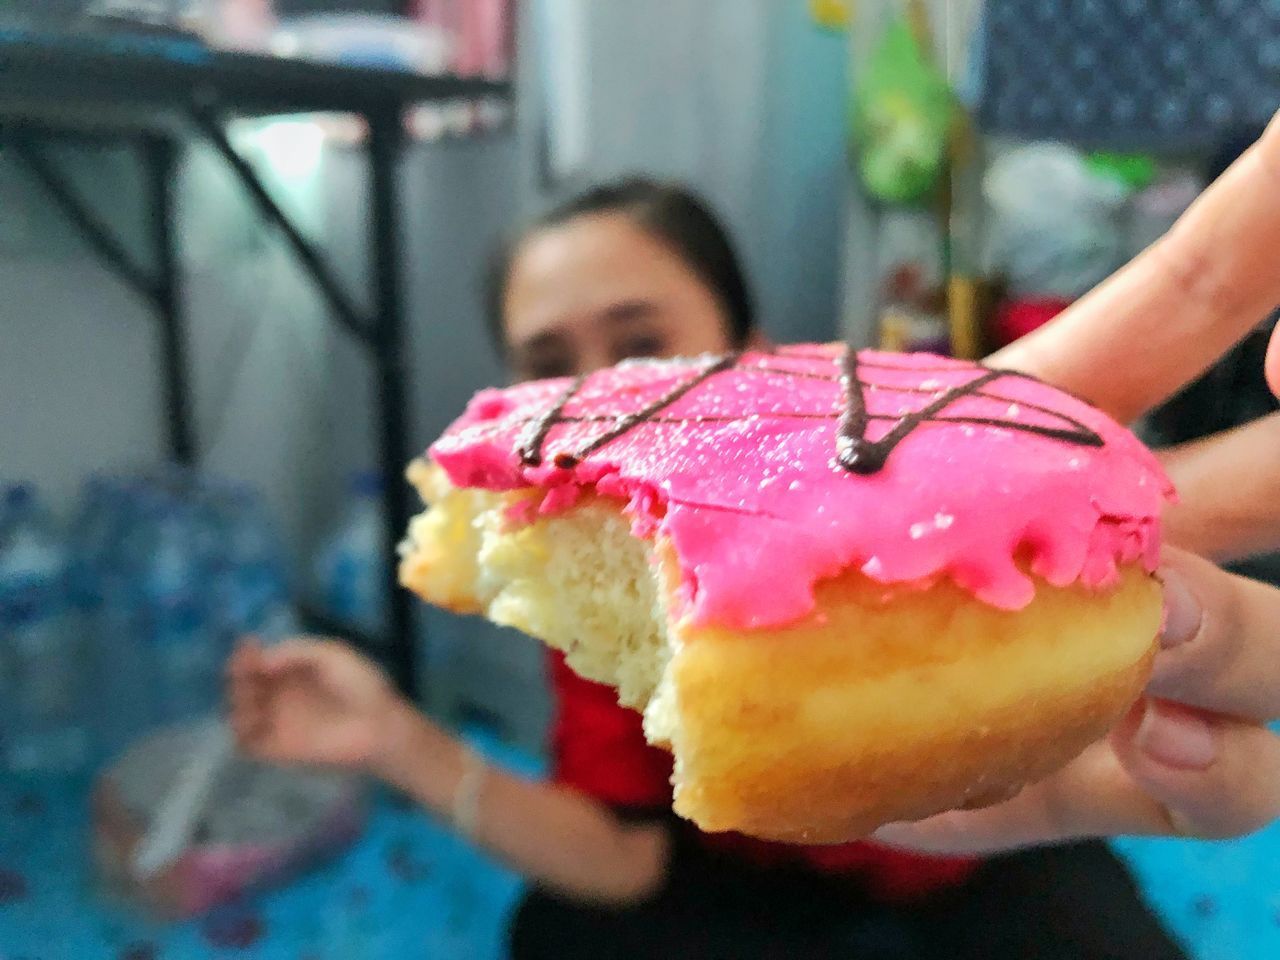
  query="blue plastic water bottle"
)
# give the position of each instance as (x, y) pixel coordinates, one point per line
(171, 573)
(350, 568)
(40, 650)
(252, 582)
(105, 592)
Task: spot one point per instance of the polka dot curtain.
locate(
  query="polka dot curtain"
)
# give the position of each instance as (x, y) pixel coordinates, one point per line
(1128, 74)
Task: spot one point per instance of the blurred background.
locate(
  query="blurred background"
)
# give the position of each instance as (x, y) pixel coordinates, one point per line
(919, 175)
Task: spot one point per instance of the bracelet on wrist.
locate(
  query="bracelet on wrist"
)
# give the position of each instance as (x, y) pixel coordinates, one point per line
(465, 811)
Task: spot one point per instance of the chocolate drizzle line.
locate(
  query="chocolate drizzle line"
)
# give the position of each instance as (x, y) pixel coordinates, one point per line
(1052, 433)
(921, 391)
(531, 450)
(854, 451)
(859, 455)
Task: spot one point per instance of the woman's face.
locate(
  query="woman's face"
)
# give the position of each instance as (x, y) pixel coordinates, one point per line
(598, 289)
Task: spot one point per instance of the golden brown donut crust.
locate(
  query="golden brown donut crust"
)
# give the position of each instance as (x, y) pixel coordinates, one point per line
(896, 705)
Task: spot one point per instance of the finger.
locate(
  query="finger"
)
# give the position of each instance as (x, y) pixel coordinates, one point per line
(249, 724)
(250, 693)
(244, 672)
(1228, 487)
(1179, 305)
(241, 697)
(1214, 776)
(299, 654)
(248, 730)
(254, 726)
(1220, 649)
(1092, 796)
(333, 663)
(245, 659)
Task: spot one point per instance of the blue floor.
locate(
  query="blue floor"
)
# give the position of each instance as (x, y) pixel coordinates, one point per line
(1221, 899)
(409, 889)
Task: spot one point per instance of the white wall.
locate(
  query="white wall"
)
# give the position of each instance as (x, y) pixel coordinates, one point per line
(77, 380)
(743, 100)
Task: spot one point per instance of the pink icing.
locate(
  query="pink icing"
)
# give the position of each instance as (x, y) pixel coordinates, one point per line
(740, 474)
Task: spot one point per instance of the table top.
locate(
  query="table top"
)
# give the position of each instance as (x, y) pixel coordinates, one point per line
(44, 74)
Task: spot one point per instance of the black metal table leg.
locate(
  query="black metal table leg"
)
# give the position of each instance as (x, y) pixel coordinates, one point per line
(208, 121)
(161, 165)
(97, 234)
(386, 141)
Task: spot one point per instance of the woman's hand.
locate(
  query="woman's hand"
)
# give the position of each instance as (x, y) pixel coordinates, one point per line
(311, 702)
(1166, 318)
(1172, 312)
(320, 702)
(1194, 757)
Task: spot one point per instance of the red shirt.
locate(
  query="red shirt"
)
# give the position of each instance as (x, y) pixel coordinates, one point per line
(598, 748)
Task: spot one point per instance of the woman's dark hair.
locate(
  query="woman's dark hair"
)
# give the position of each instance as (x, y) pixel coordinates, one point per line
(671, 214)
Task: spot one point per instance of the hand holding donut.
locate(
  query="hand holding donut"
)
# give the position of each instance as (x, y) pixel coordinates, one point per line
(1195, 756)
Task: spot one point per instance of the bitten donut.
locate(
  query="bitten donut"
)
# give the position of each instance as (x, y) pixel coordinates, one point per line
(846, 588)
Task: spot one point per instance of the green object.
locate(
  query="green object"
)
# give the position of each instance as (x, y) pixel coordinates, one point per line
(1135, 170)
(901, 120)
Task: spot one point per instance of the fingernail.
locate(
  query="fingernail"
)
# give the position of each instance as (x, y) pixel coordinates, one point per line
(1182, 611)
(1176, 737)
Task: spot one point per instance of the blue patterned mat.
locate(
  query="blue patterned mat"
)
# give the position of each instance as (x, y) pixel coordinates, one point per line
(410, 889)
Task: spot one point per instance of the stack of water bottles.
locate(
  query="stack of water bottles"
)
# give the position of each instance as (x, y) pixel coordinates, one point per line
(123, 620)
(350, 583)
(42, 675)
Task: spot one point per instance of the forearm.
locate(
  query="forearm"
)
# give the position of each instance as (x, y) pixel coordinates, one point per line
(1228, 485)
(552, 835)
